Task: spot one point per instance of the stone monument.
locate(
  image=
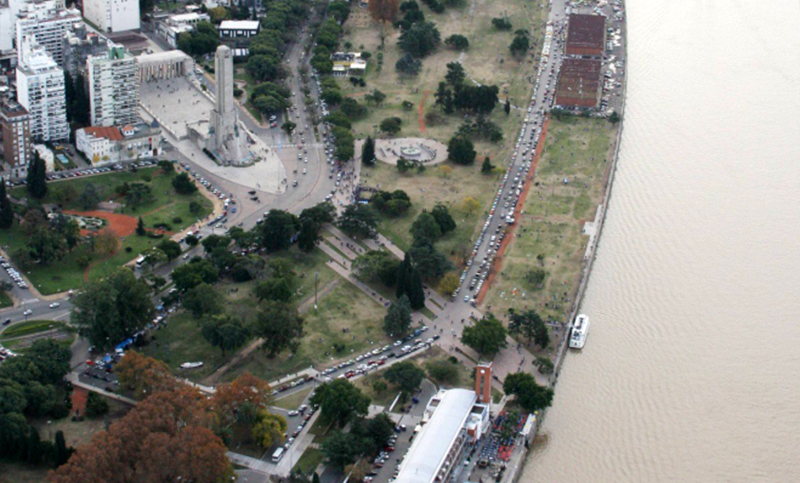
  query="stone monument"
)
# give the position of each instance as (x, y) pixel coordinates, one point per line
(224, 137)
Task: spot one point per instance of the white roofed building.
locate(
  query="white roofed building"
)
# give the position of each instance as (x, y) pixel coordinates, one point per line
(239, 29)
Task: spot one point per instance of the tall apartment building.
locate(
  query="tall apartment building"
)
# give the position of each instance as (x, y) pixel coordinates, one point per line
(16, 128)
(79, 44)
(113, 88)
(112, 15)
(40, 90)
(45, 22)
(9, 9)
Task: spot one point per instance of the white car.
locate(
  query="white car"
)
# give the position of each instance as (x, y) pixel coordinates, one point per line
(55, 305)
(27, 312)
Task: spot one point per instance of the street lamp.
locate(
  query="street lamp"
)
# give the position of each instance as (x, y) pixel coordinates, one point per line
(316, 283)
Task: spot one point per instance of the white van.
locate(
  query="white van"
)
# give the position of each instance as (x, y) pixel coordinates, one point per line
(277, 455)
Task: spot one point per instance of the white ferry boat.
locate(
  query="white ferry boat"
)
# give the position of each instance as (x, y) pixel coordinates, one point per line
(579, 332)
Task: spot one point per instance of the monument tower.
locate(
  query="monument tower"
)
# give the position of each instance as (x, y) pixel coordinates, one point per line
(224, 117)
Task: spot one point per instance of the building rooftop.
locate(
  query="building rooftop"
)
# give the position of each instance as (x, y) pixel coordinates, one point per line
(586, 31)
(239, 25)
(579, 79)
(431, 445)
(188, 17)
(166, 56)
(12, 109)
(110, 133)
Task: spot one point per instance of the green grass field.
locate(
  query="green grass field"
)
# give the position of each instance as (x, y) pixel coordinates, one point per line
(31, 327)
(553, 217)
(344, 308)
(5, 300)
(165, 207)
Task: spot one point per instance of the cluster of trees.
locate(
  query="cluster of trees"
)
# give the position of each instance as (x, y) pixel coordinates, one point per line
(203, 40)
(530, 395)
(311, 221)
(270, 97)
(359, 221)
(529, 325)
(411, 14)
(31, 385)
(110, 311)
(502, 23)
(392, 204)
(391, 125)
(77, 101)
(48, 240)
(481, 128)
(183, 184)
(327, 41)
(341, 403)
(344, 143)
(487, 336)
(454, 94)
(457, 41)
(426, 230)
(352, 109)
(418, 38)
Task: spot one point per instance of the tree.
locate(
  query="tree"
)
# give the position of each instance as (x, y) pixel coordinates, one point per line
(212, 242)
(341, 449)
(204, 40)
(449, 283)
(51, 360)
(359, 221)
(7, 212)
(377, 266)
(332, 96)
(96, 405)
(277, 289)
(170, 248)
(391, 125)
(140, 231)
(487, 167)
(280, 326)
(501, 23)
(614, 117)
(442, 216)
(89, 198)
(383, 10)
(530, 395)
(194, 273)
(487, 336)
(519, 46)
(469, 205)
(154, 256)
(36, 182)
(406, 375)
(143, 376)
(340, 402)
(109, 311)
(443, 371)
(529, 325)
(224, 331)
(278, 230)
(183, 184)
(288, 127)
(164, 438)
(367, 152)
(378, 97)
(456, 75)
(507, 107)
(408, 65)
(309, 235)
(34, 447)
(137, 193)
(62, 452)
(352, 108)
(425, 228)
(421, 39)
(398, 318)
(461, 150)
(409, 283)
(457, 41)
(269, 428)
(203, 300)
(428, 261)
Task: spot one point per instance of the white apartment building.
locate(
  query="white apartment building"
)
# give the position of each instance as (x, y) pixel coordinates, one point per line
(112, 15)
(9, 9)
(45, 22)
(173, 26)
(40, 90)
(113, 87)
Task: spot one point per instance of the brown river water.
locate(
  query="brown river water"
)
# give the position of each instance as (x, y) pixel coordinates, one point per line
(691, 371)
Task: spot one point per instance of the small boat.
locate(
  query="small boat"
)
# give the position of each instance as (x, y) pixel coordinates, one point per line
(191, 365)
(579, 332)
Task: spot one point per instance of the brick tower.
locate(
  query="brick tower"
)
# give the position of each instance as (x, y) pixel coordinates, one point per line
(483, 382)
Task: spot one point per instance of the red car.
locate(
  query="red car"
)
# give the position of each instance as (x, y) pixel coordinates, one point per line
(389, 449)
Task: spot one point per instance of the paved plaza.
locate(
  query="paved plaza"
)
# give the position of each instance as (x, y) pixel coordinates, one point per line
(427, 151)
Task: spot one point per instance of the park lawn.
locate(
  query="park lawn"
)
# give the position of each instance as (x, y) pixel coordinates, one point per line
(30, 327)
(552, 221)
(308, 462)
(465, 377)
(383, 398)
(487, 61)
(432, 187)
(5, 300)
(293, 400)
(344, 307)
(181, 341)
(165, 207)
(79, 433)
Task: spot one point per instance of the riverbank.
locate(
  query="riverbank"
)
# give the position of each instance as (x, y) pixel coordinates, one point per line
(517, 468)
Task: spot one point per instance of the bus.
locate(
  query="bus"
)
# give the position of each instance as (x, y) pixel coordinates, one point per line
(277, 455)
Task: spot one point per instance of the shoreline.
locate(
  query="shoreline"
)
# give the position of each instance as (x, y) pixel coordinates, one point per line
(517, 471)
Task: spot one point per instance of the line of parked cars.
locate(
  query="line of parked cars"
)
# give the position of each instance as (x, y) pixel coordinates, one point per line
(13, 273)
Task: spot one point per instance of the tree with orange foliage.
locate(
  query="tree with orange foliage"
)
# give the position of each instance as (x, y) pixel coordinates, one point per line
(143, 375)
(384, 10)
(165, 438)
(237, 406)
